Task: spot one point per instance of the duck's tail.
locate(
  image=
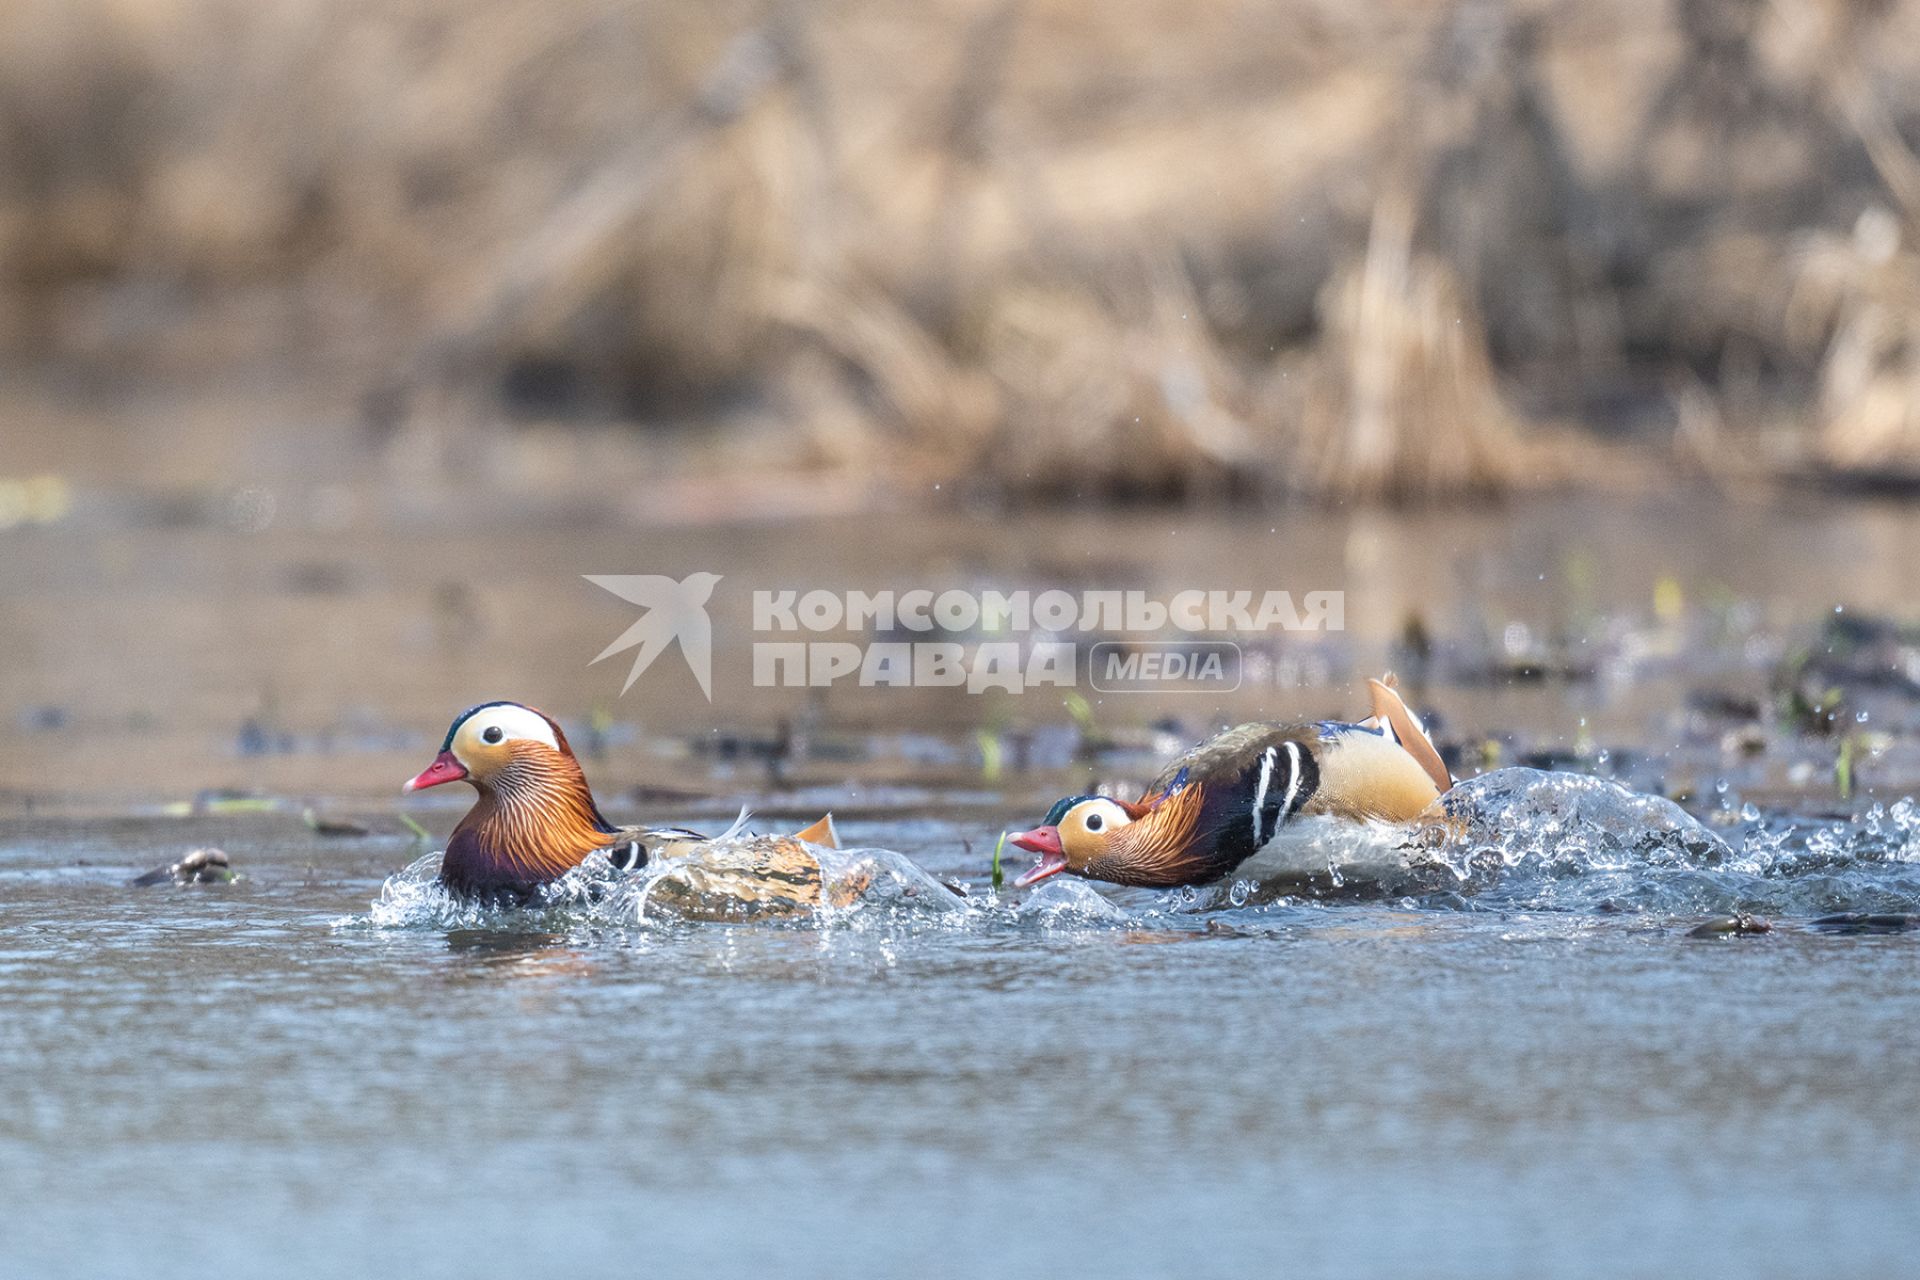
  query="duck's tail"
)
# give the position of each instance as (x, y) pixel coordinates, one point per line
(1391, 711)
(822, 833)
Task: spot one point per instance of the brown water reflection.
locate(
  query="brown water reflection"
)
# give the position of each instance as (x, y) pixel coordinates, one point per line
(146, 657)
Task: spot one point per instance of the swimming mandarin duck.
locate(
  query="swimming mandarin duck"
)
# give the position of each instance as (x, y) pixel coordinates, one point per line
(535, 820)
(1229, 797)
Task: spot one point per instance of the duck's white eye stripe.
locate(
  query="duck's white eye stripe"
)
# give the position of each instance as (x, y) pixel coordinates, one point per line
(513, 722)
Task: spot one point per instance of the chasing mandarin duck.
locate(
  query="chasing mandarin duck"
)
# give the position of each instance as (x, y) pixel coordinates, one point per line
(1228, 798)
(535, 820)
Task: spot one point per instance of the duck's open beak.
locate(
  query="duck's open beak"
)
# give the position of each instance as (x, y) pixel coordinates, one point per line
(443, 769)
(1044, 841)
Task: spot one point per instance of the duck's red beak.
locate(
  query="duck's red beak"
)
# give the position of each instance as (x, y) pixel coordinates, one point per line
(1044, 841)
(443, 769)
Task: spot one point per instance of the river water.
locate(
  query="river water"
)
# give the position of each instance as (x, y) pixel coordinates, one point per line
(1531, 1069)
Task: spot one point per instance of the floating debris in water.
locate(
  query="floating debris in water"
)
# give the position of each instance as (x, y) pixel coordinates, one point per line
(201, 866)
(1221, 929)
(337, 827)
(1739, 925)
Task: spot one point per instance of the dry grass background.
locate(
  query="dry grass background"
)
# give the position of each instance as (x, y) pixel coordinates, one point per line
(1135, 248)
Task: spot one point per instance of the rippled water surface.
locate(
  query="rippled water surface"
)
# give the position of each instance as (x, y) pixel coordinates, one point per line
(1539, 1071)
(1498, 1054)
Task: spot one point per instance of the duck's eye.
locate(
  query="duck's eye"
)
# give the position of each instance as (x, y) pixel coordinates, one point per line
(492, 734)
(1095, 822)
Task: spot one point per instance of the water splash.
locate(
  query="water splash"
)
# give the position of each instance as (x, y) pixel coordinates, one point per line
(1522, 839)
(1565, 824)
(1333, 857)
(716, 884)
(415, 899)
(1511, 840)
(1060, 902)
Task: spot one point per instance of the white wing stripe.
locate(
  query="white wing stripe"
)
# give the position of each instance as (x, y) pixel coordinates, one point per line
(1293, 779)
(1260, 795)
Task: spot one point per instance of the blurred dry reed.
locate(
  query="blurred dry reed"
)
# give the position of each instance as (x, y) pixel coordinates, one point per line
(1140, 248)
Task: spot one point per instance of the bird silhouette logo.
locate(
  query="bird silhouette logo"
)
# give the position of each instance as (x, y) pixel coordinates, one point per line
(674, 611)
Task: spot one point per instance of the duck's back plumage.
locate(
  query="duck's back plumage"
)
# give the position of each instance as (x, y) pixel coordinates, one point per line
(1366, 774)
(735, 876)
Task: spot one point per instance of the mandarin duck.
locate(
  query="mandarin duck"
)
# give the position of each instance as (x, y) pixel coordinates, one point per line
(1228, 798)
(535, 820)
